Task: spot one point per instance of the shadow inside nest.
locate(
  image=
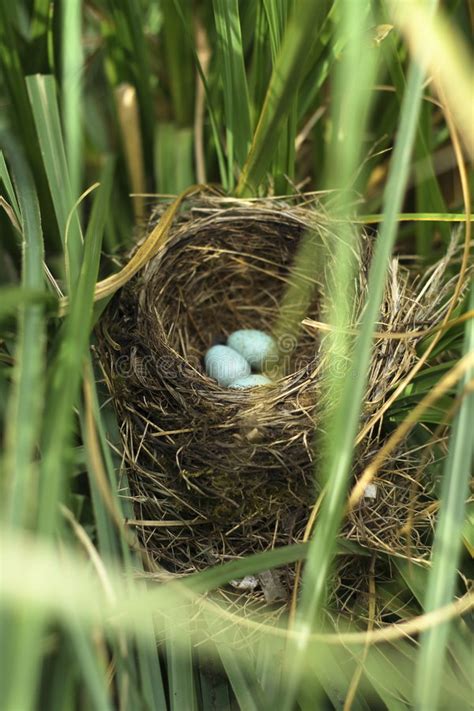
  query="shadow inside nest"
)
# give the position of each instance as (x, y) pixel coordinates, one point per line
(216, 473)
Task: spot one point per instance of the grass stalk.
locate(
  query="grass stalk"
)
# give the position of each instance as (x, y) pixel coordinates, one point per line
(448, 541)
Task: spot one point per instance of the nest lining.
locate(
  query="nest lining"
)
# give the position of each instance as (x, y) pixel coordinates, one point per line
(224, 473)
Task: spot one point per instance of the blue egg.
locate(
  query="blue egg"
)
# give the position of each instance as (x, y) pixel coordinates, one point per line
(225, 365)
(250, 381)
(255, 346)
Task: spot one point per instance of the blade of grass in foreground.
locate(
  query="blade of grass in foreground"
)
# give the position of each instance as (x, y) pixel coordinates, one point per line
(27, 656)
(33, 578)
(145, 674)
(23, 431)
(80, 589)
(93, 667)
(268, 669)
(351, 102)
(24, 414)
(11, 297)
(214, 687)
(67, 367)
(442, 50)
(348, 412)
(109, 537)
(249, 695)
(344, 427)
(448, 542)
(42, 94)
(180, 667)
(71, 90)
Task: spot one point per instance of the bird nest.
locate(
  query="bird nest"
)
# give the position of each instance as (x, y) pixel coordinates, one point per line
(217, 473)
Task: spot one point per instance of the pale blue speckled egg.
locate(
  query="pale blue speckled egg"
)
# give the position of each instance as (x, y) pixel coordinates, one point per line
(225, 365)
(255, 346)
(254, 380)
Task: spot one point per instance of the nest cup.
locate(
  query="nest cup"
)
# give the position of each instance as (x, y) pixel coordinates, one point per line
(217, 473)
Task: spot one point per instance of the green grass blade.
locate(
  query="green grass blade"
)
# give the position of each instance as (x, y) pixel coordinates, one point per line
(428, 192)
(391, 675)
(130, 57)
(468, 530)
(283, 166)
(23, 430)
(343, 428)
(304, 23)
(39, 30)
(71, 90)
(235, 90)
(350, 106)
(61, 694)
(180, 667)
(448, 542)
(174, 158)
(145, 674)
(277, 17)
(11, 297)
(94, 674)
(417, 217)
(260, 67)
(26, 400)
(13, 81)
(213, 118)
(151, 684)
(248, 693)
(42, 93)
(269, 669)
(6, 180)
(323, 52)
(16, 113)
(20, 630)
(109, 535)
(67, 368)
(346, 424)
(179, 59)
(221, 574)
(215, 693)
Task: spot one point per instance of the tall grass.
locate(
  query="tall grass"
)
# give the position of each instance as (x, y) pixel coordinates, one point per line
(345, 97)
